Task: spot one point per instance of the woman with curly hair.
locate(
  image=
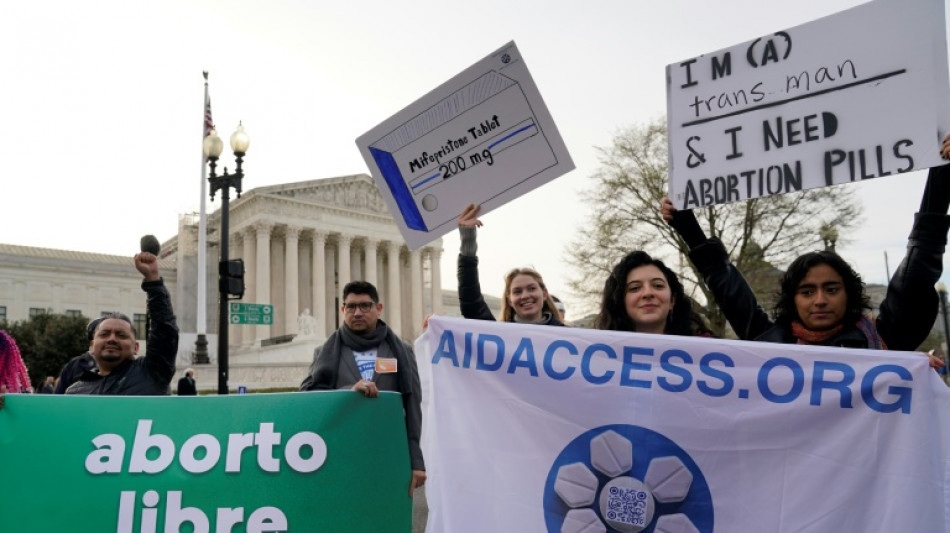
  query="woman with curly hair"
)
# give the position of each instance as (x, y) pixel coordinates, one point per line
(642, 294)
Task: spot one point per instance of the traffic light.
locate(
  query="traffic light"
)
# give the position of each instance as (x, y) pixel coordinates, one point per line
(232, 277)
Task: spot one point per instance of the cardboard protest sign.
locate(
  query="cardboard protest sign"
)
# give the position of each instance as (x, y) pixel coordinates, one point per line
(319, 461)
(857, 95)
(566, 429)
(483, 137)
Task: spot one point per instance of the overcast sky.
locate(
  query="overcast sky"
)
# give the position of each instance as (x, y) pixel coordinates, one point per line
(100, 116)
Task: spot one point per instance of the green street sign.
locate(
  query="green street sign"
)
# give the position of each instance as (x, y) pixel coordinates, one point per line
(252, 314)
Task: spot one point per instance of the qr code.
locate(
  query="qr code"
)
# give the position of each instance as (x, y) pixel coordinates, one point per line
(627, 506)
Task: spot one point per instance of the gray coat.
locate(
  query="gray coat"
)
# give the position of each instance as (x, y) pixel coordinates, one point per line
(328, 373)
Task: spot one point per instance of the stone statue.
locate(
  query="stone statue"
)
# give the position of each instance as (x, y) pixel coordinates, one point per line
(306, 324)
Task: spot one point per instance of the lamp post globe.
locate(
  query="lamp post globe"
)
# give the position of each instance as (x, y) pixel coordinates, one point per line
(212, 145)
(240, 141)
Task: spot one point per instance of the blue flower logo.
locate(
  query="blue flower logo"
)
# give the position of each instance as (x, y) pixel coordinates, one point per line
(626, 479)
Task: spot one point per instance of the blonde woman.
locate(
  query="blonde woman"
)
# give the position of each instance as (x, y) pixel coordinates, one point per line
(526, 298)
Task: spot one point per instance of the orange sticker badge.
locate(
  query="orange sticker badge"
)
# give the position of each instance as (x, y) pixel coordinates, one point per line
(385, 365)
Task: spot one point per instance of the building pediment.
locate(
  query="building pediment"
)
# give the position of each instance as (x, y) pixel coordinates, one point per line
(358, 193)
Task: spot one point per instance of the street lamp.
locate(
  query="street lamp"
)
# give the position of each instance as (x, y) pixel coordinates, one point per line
(942, 291)
(230, 273)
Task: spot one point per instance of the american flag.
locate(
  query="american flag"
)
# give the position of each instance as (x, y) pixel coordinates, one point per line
(209, 122)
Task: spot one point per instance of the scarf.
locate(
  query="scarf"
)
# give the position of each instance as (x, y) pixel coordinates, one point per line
(327, 365)
(864, 324)
(544, 320)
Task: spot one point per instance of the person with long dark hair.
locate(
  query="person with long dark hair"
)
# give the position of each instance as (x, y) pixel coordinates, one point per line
(813, 305)
(642, 294)
(822, 300)
(14, 376)
(526, 297)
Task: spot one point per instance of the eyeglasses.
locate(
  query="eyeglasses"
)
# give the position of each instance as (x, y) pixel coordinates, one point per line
(350, 308)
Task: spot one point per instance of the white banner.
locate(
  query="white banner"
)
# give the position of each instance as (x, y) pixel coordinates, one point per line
(857, 95)
(539, 428)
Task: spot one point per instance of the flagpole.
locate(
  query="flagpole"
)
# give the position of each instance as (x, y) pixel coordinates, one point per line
(201, 344)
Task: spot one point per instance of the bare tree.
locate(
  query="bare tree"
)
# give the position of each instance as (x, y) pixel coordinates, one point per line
(759, 234)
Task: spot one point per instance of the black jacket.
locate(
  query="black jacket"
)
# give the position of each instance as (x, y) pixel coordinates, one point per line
(906, 315)
(471, 302)
(186, 387)
(72, 371)
(142, 376)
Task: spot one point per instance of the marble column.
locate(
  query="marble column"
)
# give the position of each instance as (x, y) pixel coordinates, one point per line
(356, 273)
(319, 305)
(392, 307)
(263, 273)
(343, 260)
(291, 279)
(435, 267)
(333, 287)
(250, 279)
(415, 293)
(369, 270)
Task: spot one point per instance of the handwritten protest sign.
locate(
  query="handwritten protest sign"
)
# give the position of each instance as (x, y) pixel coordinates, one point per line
(485, 136)
(263, 462)
(857, 95)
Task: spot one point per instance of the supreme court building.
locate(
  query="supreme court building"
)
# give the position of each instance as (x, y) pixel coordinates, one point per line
(300, 243)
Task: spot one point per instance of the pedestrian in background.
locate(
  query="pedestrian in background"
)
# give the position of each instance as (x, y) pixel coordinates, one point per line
(48, 385)
(186, 385)
(13, 375)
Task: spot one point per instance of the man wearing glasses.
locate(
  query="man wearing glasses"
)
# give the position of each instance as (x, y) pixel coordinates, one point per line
(366, 356)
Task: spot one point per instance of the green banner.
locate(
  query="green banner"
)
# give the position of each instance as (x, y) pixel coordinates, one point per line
(321, 461)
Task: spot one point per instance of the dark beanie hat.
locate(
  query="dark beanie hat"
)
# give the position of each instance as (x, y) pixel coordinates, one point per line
(91, 328)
